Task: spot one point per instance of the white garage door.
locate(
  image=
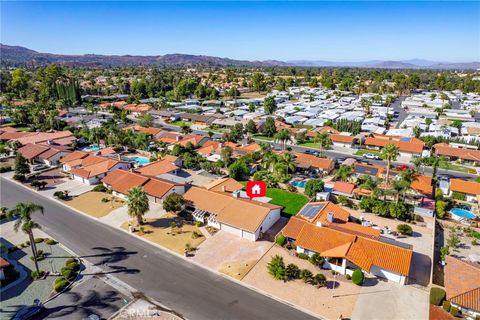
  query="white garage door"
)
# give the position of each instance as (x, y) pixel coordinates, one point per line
(233, 230)
(391, 276)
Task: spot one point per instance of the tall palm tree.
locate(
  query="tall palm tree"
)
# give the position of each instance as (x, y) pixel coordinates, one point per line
(389, 153)
(23, 212)
(343, 173)
(366, 104)
(137, 202)
(323, 141)
(282, 136)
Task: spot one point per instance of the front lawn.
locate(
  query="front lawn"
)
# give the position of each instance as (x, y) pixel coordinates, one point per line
(456, 167)
(361, 152)
(313, 145)
(290, 201)
(180, 123)
(260, 137)
(91, 203)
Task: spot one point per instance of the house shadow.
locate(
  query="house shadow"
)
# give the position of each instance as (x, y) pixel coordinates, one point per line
(332, 284)
(416, 234)
(370, 282)
(183, 174)
(420, 274)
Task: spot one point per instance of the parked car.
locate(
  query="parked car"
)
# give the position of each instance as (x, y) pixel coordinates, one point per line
(38, 167)
(402, 167)
(371, 156)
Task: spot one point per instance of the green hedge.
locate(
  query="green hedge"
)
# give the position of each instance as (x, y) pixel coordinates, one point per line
(357, 277)
(437, 295)
(280, 240)
(302, 255)
(446, 305)
(60, 284)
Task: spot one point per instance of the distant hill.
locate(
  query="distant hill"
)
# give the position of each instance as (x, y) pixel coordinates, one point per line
(20, 56)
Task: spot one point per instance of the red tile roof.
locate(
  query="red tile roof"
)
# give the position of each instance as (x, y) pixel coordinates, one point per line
(467, 187)
(444, 149)
(403, 146)
(462, 282)
(307, 160)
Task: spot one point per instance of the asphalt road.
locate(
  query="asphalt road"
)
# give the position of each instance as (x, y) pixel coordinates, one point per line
(332, 154)
(191, 291)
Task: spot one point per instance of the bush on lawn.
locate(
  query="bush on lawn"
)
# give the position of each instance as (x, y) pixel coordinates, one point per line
(437, 295)
(50, 242)
(280, 240)
(198, 224)
(316, 260)
(5, 169)
(60, 195)
(454, 311)
(446, 305)
(319, 280)
(38, 240)
(458, 196)
(405, 229)
(348, 277)
(302, 255)
(19, 177)
(357, 277)
(60, 284)
(105, 200)
(292, 271)
(73, 265)
(306, 275)
(68, 274)
(276, 267)
(70, 260)
(100, 188)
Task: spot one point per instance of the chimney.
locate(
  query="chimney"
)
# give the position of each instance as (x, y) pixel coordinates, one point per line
(223, 189)
(330, 217)
(119, 157)
(177, 138)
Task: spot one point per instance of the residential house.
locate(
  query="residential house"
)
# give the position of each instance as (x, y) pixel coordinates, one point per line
(323, 228)
(407, 147)
(470, 189)
(245, 218)
(63, 138)
(121, 181)
(462, 284)
(172, 138)
(157, 168)
(43, 153)
(311, 162)
(469, 156)
(341, 140)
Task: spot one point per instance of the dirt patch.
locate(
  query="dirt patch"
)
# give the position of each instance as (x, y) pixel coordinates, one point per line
(91, 203)
(52, 177)
(161, 232)
(237, 269)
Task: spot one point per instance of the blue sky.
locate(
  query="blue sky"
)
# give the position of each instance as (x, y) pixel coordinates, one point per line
(338, 31)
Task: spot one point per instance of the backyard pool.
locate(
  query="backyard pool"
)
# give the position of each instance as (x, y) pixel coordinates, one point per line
(92, 147)
(299, 184)
(459, 214)
(140, 160)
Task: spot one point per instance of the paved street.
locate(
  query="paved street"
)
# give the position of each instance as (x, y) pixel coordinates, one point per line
(191, 291)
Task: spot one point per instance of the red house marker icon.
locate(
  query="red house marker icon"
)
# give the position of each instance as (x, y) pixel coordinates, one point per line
(256, 189)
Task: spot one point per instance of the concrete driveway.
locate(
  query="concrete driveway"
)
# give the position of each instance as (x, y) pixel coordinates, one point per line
(224, 247)
(74, 188)
(386, 300)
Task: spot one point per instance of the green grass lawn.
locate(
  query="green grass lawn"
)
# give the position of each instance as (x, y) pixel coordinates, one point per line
(290, 201)
(258, 136)
(456, 167)
(180, 123)
(361, 152)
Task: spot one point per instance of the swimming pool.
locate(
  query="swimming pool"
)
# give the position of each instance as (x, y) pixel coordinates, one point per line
(92, 147)
(299, 184)
(459, 214)
(140, 160)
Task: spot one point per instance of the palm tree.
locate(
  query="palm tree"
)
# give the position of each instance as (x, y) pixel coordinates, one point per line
(343, 173)
(282, 136)
(389, 153)
(138, 204)
(366, 104)
(23, 212)
(324, 141)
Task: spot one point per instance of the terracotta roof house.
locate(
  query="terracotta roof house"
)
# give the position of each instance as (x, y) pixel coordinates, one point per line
(244, 218)
(209, 148)
(46, 154)
(422, 185)
(471, 189)
(328, 130)
(406, 146)
(323, 228)
(89, 168)
(340, 140)
(64, 138)
(140, 129)
(240, 150)
(467, 155)
(224, 185)
(137, 108)
(173, 138)
(308, 161)
(121, 181)
(157, 168)
(462, 284)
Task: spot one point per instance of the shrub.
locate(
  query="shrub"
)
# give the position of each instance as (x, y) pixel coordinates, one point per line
(50, 242)
(446, 305)
(320, 280)
(196, 235)
(73, 265)
(198, 224)
(37, 275)
(100, 188)
(348, 277)
(458, 196)
(38, 240)
(316, 260)
(454, 311)
(40, 256)
(68, 274)
(105, 200)
(5, 169)
(70, 260)
(280, 240)
(437, 295)
(276, 268)
(60, 195)
(306, 275)
(343, 200)
(60, 284)
(474, 242)
(292, 271)
(19, 177)
(302, 255)
(405, 229)
(357, 277)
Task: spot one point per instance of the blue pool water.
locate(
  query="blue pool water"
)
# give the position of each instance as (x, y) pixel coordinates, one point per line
(299, 184)
(140, 160)
(92, 147)
(462, 213)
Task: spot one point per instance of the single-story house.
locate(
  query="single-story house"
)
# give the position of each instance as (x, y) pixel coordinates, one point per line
(323, 228)
(462, 284)
(453, 153)
(121, 181)
(470, 189)
(311, 162)
(406, 146)
(43, 153)
(172, 138)
(245, 218)
(340, 140)
(157, 168)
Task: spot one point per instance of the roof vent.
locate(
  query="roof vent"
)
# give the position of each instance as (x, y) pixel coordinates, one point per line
(330, 217)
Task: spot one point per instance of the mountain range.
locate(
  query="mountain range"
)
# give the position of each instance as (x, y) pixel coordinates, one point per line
(18, 56)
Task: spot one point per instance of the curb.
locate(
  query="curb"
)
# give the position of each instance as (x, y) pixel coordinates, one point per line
(304, 310)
